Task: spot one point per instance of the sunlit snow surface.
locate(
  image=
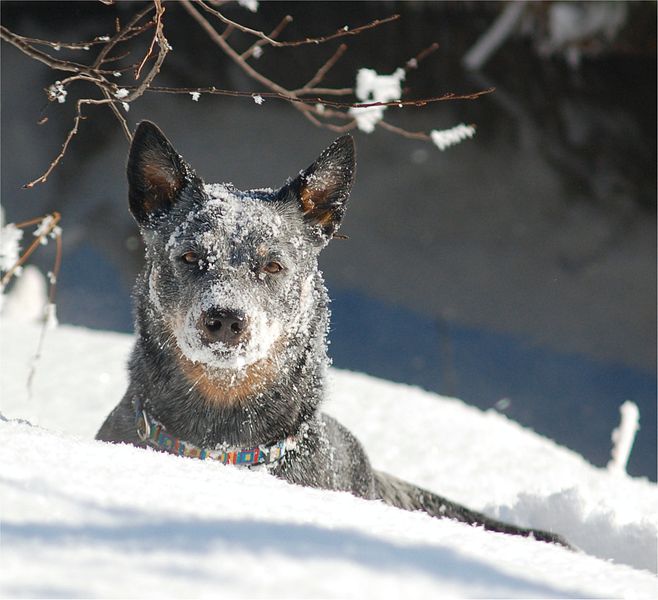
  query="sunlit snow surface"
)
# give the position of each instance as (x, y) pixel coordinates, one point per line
(86, 519)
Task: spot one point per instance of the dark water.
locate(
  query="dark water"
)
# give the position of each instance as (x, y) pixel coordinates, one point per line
(516, 271)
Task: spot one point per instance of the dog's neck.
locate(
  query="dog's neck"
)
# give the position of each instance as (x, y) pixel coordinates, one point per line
(162, 383)
(154, 434)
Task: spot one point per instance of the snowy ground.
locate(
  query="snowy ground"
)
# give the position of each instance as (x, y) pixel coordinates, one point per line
(86, 519)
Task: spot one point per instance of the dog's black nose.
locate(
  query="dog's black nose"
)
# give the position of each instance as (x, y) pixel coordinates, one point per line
(226, 326)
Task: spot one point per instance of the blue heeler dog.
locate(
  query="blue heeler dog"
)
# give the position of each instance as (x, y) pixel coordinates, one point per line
(231, 321)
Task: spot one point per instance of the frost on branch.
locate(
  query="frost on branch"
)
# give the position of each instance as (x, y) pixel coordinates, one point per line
(47, 228)
(57, 92)
(445, 138)
(372, 87)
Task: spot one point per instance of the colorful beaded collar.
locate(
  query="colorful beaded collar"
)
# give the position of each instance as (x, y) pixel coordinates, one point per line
(154, 434)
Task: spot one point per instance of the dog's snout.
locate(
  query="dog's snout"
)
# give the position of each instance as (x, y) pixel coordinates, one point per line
(226, 326)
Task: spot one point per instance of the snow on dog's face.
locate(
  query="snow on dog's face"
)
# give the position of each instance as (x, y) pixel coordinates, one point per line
(243, 278)
(233, 275)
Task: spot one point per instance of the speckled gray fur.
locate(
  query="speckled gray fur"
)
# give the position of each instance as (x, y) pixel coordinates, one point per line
(232, 238)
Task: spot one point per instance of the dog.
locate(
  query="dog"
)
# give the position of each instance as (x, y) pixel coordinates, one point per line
(230, 359)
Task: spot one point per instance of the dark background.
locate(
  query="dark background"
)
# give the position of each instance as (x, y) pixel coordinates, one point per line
(516, 271)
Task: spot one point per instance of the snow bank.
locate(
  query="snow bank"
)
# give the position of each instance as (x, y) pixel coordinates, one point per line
(82, 518)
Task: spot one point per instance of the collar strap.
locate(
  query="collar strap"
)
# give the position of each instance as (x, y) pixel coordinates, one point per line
(154, 434)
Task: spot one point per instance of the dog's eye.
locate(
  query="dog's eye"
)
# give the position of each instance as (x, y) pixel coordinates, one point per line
(191, 258)
(273, 267)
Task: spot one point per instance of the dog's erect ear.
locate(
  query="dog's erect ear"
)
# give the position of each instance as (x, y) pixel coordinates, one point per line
(322, 189)
(156, 173)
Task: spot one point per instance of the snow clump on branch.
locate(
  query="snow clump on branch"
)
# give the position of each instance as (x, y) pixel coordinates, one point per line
(46, 227)
(57, 92)
(372, 87)
(623, 437)
(251, 5)
(445, 138)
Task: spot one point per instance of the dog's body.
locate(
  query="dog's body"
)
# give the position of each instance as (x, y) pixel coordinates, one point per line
(231, 324)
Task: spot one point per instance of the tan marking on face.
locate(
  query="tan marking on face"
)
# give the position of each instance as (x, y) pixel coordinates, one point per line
(231, 388)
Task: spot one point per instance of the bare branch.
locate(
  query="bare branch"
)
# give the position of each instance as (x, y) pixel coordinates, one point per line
(290, 97)
(159, 11)
(345, 31)
(228, 49)
(273, 35)
(413, 135)
(322, 71)
(73, 131)
(414, 62)
(319, 105)
(55, 218)
(54, 63)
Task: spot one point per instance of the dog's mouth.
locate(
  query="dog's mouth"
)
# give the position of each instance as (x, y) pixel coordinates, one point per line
(221, 357)
(222, 342)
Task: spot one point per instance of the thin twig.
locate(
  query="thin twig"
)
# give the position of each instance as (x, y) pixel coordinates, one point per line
(289, 97)
(345, 31)
(56, 217)
(228, 49)
(54, 274)
(159, 11)
(67, 45)
(414, 62)
(54, 63)
(323, 70)
(51, 298)
(273, 35)
(413, 135)
(73, 131)
(164, 48)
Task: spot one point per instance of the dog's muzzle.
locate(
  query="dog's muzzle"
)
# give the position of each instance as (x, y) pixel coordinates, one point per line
(230, 327)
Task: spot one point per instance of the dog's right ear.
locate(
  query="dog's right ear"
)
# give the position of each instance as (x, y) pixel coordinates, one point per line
(322, 190)
(156, 173)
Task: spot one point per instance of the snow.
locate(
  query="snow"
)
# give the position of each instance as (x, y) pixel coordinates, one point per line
(56, 91)
(445, 138)
(10, 238)
(47, 228)
(251, 5)
(28, 297)
(372, 87)
(82, 518)
(624, 436)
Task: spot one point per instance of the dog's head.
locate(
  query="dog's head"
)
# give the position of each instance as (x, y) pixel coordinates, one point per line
(232, 275)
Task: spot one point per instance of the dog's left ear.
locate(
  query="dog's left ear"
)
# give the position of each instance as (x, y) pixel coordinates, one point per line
(322, 190)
